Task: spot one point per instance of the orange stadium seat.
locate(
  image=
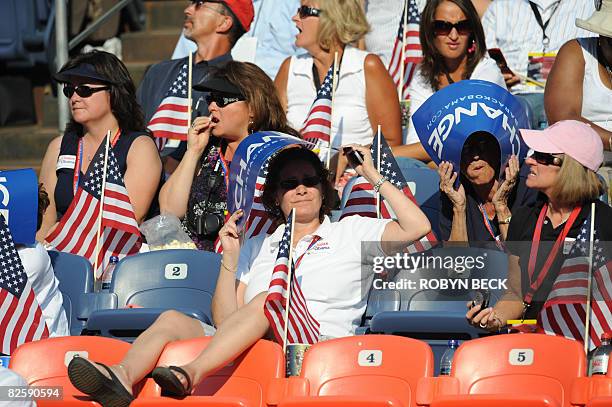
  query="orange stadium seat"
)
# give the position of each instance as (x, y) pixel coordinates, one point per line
(595, 391)
(508, 370)
(44, 362)
(242, 383)
(371, 370)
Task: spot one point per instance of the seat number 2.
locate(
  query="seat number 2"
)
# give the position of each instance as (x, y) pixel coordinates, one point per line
(370, 358)
(177, 271)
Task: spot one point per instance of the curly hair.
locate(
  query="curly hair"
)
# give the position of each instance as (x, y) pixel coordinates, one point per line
(272, 184)
(123, 102)
(432, 64)
(43, 204)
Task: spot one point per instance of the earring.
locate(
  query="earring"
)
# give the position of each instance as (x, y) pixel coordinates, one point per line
(251, 123)
(472, 49)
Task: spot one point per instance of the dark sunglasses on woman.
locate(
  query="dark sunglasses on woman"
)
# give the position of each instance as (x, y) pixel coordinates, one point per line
(292, 183)
(223, 99)
(83, 91)
(305, 11)
(546, 159)
(442, 27)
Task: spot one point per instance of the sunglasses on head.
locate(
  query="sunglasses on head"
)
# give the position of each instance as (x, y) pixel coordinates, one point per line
(442, 27)
(305, 11)
(83, 91)
(546, 159)
(292, 183)
(223, 99)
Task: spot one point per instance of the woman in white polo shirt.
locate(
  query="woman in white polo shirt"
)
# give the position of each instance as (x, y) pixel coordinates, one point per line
(330, 274)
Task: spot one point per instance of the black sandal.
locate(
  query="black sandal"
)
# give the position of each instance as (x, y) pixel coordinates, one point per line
(89, 380)
(170, 383)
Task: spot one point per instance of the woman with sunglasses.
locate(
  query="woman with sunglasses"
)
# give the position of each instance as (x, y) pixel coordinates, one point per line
(454, 49)
(365, 95)
(480, 209)
(242, 100)
(543, 238)
(328, 261)
(102, 97)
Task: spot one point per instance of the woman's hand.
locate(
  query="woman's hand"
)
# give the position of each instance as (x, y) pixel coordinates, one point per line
(199, 134)
(230, 239)
(447, 180)
(485, 319)
(500, 199)
(366, 169)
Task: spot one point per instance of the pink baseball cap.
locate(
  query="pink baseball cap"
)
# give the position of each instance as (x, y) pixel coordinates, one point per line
(571, 137)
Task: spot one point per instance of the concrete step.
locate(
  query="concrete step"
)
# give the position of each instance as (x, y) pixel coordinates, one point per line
(145, 46)
(19, 164)
(24, 144)
(137, 70)
(165, 15)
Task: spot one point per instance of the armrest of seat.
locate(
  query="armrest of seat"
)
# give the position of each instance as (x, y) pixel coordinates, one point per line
(90, 302)
(497, 400)
(423, 321)
(585, 389)
(600, 402)
(208, 401)
(280, 389)
(341, 401)
(428, 388)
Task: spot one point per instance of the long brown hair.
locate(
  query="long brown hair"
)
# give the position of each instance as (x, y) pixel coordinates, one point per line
(432, 64)
(260, 94)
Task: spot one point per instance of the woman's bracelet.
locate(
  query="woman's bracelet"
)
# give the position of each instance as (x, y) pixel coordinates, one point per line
(379, 183)
(227, 268)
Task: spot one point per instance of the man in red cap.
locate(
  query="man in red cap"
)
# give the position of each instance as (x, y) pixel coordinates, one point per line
(214, 26)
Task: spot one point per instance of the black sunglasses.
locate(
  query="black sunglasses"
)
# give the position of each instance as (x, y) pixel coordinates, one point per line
(305, 11)
(83, 91)
(223, 99)
(442, 27)
(546, 159)
(476, 148)
(292, 183)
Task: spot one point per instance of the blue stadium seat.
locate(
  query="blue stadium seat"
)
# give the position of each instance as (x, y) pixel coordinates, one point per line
(75, 275)
(156, 281)
(425, 185)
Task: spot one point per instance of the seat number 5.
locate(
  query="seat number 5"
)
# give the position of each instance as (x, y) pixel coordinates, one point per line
(177, 271)
(521, 357)
(370, 358)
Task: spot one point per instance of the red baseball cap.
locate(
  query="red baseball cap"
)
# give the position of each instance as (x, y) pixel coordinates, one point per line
(242, 10)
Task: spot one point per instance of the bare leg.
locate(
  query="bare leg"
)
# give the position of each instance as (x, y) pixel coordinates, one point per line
(145, 351)
(237, 332)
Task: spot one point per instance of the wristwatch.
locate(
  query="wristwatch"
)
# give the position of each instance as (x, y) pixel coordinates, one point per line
(504, 221)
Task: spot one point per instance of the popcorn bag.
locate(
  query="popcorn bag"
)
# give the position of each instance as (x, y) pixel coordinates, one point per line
(165, 232)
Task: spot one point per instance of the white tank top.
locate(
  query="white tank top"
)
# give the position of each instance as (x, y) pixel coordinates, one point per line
(350, 121)
(596, 97)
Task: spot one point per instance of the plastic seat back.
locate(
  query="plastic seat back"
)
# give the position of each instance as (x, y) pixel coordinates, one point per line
(75, 276)
(533, 364)
(247, 378)
(44, 362)
(381, 365)
(425, 186)
(167, 279)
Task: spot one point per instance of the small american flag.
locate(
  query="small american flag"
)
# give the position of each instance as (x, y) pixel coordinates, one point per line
(564, 312)
(171, 118)
(302, 326)
(21, 319)
(362, 200)
(412, 49)
(76, 232)
(317, 126)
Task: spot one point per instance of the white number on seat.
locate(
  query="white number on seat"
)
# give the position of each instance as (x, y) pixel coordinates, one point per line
(521, 357)
(370, 358)
(176, 271)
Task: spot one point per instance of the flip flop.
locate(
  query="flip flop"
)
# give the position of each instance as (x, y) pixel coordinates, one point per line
(89, 380)
(170, 383)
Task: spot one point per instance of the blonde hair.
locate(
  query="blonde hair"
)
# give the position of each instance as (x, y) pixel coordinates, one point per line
(342, 21)
(577, 184)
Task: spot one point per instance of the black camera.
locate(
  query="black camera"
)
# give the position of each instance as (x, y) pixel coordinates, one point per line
(208, 223)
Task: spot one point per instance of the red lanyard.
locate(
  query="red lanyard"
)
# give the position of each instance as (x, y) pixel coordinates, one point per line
(535, 285)
(79, 159)
(489, 227)
(312, 243)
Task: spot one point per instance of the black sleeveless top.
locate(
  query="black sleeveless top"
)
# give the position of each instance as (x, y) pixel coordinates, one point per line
(63, 193)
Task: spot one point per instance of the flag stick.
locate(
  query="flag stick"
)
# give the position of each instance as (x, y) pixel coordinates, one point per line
(99, 229)
(587, 337)
(290, 272)
(400, 86)
(189, 75)
(334, 84)
(379, 135)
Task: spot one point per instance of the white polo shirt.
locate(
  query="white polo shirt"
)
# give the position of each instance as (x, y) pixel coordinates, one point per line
(335, 276)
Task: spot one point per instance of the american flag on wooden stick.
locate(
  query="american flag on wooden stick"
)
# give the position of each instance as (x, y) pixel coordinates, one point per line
(21, 318)
(317, 126)
(77, 230)
(171, 118)
(564, 312)
(362, 199)
(412, 54)
(302, 326)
